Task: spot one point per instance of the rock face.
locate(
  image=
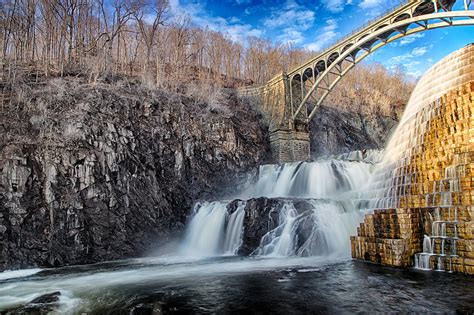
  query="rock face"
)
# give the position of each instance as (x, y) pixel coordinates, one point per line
(334, 131)
(92, 173)
(262, 215)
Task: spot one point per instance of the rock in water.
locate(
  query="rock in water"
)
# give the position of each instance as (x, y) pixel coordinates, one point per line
(44, 304)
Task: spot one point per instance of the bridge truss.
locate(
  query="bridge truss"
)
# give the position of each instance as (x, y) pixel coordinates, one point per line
(311, 82)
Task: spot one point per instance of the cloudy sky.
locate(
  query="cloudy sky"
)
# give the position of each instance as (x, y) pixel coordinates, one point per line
(314, 24)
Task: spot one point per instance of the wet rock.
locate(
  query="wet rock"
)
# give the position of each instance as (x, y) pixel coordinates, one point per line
(47, 298)
(44, 304)
(262, 216)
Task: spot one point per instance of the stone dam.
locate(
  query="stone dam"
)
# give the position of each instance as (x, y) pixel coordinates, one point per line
(423, 189)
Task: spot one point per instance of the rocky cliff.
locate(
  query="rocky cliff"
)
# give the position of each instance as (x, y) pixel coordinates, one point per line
(335, 131)
(105, 171)
(109, 170)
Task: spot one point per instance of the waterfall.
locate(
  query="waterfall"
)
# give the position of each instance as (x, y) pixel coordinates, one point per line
(330, 226)
(422, 260)
(233, 235)
(280, 241)
(213, 231)
(427, 247)
(321, 179)
(206, 242)
(322, 227)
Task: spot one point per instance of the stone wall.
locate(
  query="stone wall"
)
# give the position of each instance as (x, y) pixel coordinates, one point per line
(289, 146)
(441, 191)
(425, 188)
(272, 101)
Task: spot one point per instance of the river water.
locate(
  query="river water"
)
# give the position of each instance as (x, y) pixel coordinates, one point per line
(242, 284)
(302, 264)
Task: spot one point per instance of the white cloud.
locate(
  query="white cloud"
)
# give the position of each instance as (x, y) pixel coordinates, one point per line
(400, 59)
(420, 51)
(369, 4)
(373, 8)
(293, 19)
(291, 35)
(411, 61)
(243, 1)
(335, 5)
(236, 30)
(292, 13)
(328, 35)
(408, 39)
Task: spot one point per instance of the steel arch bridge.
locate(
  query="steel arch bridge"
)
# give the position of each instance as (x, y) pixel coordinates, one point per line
(292, 99)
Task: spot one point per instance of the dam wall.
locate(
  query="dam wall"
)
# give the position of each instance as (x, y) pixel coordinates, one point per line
(423, 191)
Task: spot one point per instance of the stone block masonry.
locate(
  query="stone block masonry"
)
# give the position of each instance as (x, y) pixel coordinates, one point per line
(289, 146)
(430, 218)
(288, 142)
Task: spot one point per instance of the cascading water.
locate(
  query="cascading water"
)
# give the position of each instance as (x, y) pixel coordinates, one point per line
(213, 231)
(331, 223)
(280, 241)
(321, 227)
(425, 163)
(321, 179)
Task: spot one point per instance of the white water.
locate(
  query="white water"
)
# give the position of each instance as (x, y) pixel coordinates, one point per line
(280, 242)
(320, 230)
(321, 179)
(213, 231)
(233, 236)
(81, 292)
(11, 274)
(331, 225)
(324, 228)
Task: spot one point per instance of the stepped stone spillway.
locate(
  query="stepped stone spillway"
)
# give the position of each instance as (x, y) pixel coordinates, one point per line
(423, 190)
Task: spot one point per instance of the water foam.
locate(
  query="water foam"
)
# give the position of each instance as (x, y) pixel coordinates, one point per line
(327, 186)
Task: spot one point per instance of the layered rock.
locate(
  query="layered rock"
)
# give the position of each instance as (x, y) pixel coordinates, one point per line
(335, 131)
(99, 172)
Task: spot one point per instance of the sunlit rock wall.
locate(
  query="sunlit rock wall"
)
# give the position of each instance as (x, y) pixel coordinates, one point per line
(424, 186)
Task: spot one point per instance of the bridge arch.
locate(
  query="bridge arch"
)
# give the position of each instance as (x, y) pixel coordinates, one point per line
(401, 17)
(319, 67)
(332, 57)
(307, 74)
(383, 35)
(424, 8)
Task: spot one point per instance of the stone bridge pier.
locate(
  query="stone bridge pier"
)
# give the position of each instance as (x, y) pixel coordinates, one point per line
(289, 138)
(291, 99)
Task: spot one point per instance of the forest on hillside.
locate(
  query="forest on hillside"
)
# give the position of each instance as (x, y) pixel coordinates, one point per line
(144, 39)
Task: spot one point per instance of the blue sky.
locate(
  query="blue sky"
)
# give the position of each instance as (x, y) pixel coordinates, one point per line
(316, 24)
